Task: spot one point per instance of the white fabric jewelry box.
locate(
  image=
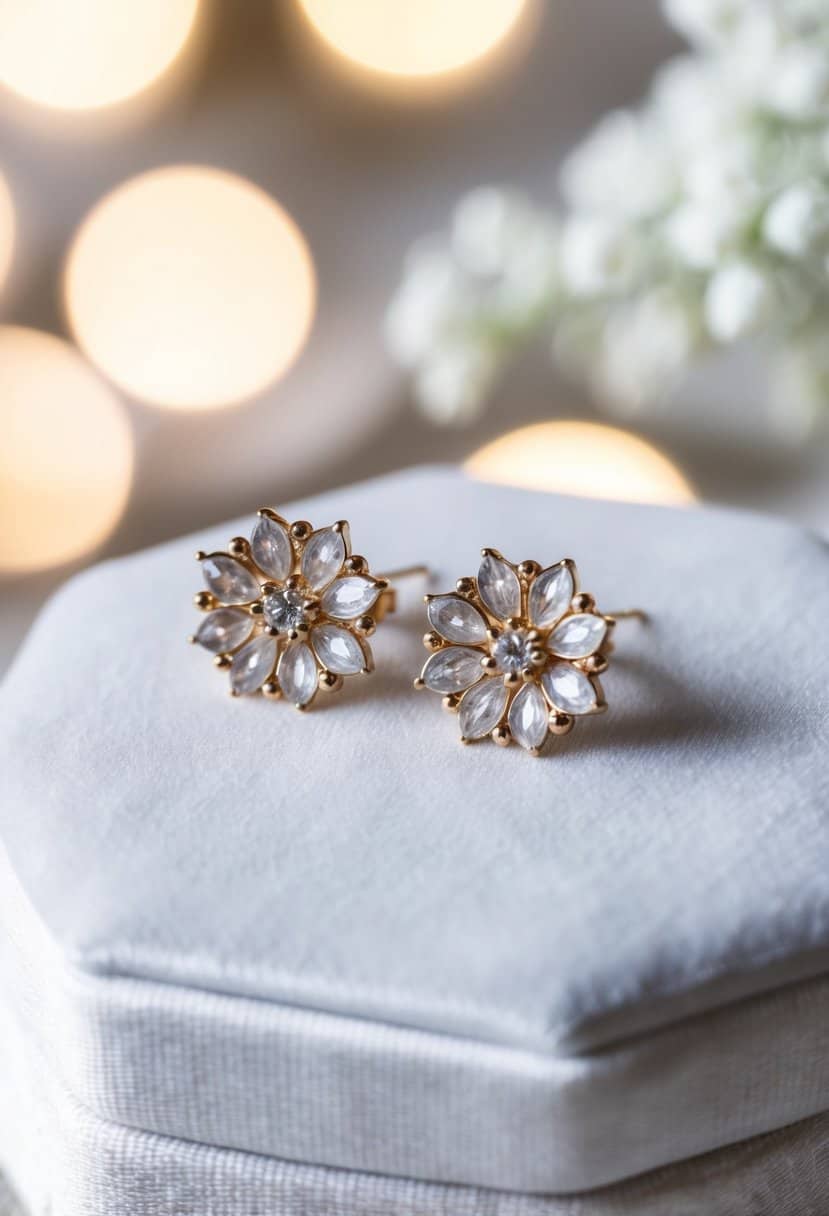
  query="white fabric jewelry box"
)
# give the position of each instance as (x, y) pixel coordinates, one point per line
(256, 961)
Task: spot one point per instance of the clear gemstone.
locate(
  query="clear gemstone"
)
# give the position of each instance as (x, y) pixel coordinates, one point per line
(511, 651)
(223, 630)
(456, 619)
(568, 689)
(550, 596)
(453, 669)
(528, 717)
(253, 664)
(338, 650)
(297, 674)
(349, 597)
(271, 549)
(323, 558)
(481, 708)
(499, 588)
(577, 636)
(283, 609)
(228, 579)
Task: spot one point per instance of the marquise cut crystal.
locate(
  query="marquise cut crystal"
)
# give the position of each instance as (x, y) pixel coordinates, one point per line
(270, 548)
(338, 650)
(297, 673)
(283, 609)
(481, 708)
(253, 664)
(323, 558)
(550, 596)
(499, 588)
(456, 619)
(452, 669)
(568, 689)
(228, 579)
(223, 630)
(528, 717)
(577, 636)
(349, 597)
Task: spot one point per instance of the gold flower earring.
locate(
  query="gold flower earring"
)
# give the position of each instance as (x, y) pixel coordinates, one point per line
(517, 651)
(290, 610)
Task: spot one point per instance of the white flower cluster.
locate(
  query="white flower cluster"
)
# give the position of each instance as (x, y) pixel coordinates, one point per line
(697, 220)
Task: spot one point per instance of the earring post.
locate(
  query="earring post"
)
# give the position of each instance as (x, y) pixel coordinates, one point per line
(404, 572)
(630, 614)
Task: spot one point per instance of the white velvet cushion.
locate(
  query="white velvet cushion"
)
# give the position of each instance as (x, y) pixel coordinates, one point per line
(340, 938)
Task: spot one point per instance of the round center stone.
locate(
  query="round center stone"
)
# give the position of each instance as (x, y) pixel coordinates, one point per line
(511, 651)
(283, 609)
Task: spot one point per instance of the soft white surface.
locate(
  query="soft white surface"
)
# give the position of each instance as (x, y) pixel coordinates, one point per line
(469, 918)
(67, 1162)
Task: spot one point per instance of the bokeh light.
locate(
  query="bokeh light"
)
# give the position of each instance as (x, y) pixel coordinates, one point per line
(586, 459)
(67, 455)
(6, 229)
(402, 38)
(83, 54)
(190, 287)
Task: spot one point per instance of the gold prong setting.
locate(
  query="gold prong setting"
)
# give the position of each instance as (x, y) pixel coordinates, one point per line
(516, 652)
(288, 610)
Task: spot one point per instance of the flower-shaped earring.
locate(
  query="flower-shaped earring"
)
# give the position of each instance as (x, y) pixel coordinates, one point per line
(517, 651)
(289, 611)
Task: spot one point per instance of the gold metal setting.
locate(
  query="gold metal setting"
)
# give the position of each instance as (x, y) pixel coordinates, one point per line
(289, 610)
(524, 625)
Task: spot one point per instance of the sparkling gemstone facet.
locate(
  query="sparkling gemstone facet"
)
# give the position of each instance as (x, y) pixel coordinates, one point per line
(338, 650)
(271, 549)
(297, 674)
(228, 579)
(283, 609)
(568, 689)
(528, 717)
(223, 630)
(253, 664)
(511, 651)
(456, 619)
(349, 597)
(550, 596)
(324, 555)
(481, 708)
(499, 587)
(577, 636)
(452, 669)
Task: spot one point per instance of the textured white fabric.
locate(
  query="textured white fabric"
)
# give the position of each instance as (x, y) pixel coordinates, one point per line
(343, 939)
(66, 1162)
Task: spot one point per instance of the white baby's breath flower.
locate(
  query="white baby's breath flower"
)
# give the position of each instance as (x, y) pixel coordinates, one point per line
(797, 219)
(494, 230)
(699, 233)
(645, 348)
(708, 23)
(453, 383)
(428, 297)
(736, 301)
(700, 217)
(598, 255)
(797, 84)
(618, 169)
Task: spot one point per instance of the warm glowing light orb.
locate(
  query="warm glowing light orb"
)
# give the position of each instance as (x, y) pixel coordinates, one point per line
(66, 457)
(404, 38)
(586, 459)
(82, 54)
(6, 229)
(190, 287)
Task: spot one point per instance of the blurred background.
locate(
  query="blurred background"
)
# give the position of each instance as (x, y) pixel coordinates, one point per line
(205, 209)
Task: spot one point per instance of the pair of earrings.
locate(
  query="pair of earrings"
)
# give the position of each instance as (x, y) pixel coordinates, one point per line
(517, 651)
